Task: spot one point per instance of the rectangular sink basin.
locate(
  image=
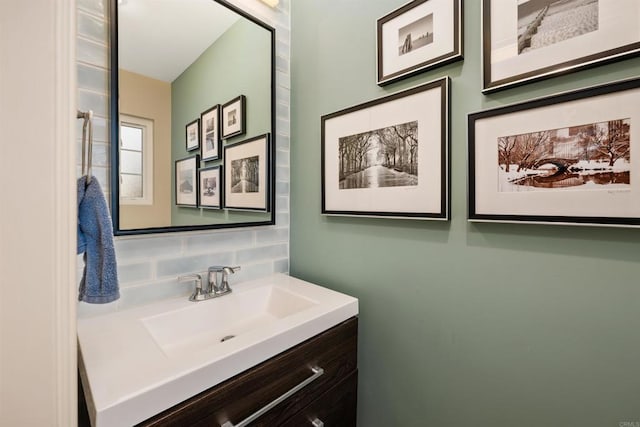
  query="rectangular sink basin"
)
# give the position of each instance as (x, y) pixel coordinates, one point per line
(214, 322)
(136, 363)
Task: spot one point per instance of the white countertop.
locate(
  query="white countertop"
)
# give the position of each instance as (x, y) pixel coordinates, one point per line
(128, 377)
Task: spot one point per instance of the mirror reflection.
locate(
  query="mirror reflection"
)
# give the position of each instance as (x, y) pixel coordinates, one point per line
(194, 77)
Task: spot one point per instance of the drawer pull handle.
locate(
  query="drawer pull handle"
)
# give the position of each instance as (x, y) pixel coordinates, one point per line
(317, 423)
(317, 373)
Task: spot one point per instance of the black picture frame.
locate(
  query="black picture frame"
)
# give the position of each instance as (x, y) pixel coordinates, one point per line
(389, 157)
(247, 174)
(400, 56)
(569, 158)
(192, 135)
(211, 187)
(211, 146)
(233, 117)
(186, 181)
(516, 53)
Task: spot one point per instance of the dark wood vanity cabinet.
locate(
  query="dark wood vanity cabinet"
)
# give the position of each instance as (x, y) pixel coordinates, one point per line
(330, 398)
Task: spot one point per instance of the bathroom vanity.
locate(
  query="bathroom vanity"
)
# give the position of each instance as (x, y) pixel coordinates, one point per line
(276, 351)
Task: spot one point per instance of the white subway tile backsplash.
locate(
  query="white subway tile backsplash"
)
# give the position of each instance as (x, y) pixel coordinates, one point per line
(281, 266)
(93, 78)
(282, 126)
(90, 52)
(148, 266)
(189, 264)
(282, 203)
(95, 7)
(272, 235)
(214, 242)
(251, 272)
(282, 141)
(282, 173)
(97, 102)
(144, 294)
(92, 27)
(132, 273)
(145, 248)
(282, 64)
(282, 219)
(261, 253)
(282, 110)
(282, 187)
(100, 153)
(282, 158)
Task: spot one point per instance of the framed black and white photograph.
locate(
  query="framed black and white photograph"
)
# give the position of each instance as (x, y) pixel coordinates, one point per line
(210, 131)
(233, 117)
(418, 36)
(211, 187)
(529, 40)
(193, 135)
(247, 174)
(186, 181)
(571, 158)
(389, 157)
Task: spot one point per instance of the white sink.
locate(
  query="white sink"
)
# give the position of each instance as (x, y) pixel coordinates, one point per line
(214, 322)
(139, 362)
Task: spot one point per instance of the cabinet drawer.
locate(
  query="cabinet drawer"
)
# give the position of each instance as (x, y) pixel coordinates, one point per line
(335, 408)
(335, 351)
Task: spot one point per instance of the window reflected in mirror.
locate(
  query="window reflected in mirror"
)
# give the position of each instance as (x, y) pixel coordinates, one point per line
(136, 160)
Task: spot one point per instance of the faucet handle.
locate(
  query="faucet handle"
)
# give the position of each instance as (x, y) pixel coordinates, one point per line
(197, 295)
(224, 285)
(229, 270)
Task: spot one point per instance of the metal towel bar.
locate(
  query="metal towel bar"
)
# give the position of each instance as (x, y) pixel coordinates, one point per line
(87, 140)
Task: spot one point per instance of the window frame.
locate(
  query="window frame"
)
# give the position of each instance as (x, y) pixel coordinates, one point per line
(147, 159)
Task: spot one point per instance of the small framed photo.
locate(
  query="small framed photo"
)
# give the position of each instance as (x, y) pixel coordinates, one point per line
(571, 158)
(389, 157)
(211, 187)
(418, 36)
(233, 117)
(186, 181)
(210, 133)
(193, 135)
(247, 174)
(524, 41)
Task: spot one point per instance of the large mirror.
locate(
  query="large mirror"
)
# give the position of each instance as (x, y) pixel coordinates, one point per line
(192, 84)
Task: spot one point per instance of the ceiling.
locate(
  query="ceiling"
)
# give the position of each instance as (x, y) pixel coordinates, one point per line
(160, 38)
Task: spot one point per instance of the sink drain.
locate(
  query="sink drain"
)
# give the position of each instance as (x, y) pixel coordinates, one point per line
(228, 337)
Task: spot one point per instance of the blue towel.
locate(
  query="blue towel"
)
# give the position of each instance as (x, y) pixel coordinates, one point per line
(99, 284)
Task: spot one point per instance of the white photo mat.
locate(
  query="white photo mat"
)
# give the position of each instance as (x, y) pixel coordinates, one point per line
(210, 133)
(428, 106)
(617, 34)
(574, 204)
(193, 135)
(446, 44)
(186, 181)
(253, 200)
(233, 117)
(211, 187)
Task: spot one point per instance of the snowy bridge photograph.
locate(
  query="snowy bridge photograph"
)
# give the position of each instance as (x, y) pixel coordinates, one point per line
(591, 156)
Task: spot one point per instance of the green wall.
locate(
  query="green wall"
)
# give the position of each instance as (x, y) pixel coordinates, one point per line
(461, 324)
(238, 63)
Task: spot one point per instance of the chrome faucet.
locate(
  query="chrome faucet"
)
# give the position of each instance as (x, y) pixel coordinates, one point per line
(223, 288)
(198, 294)
(213, 289)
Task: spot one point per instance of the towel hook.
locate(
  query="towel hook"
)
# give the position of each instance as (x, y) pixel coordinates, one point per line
(87, 140)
